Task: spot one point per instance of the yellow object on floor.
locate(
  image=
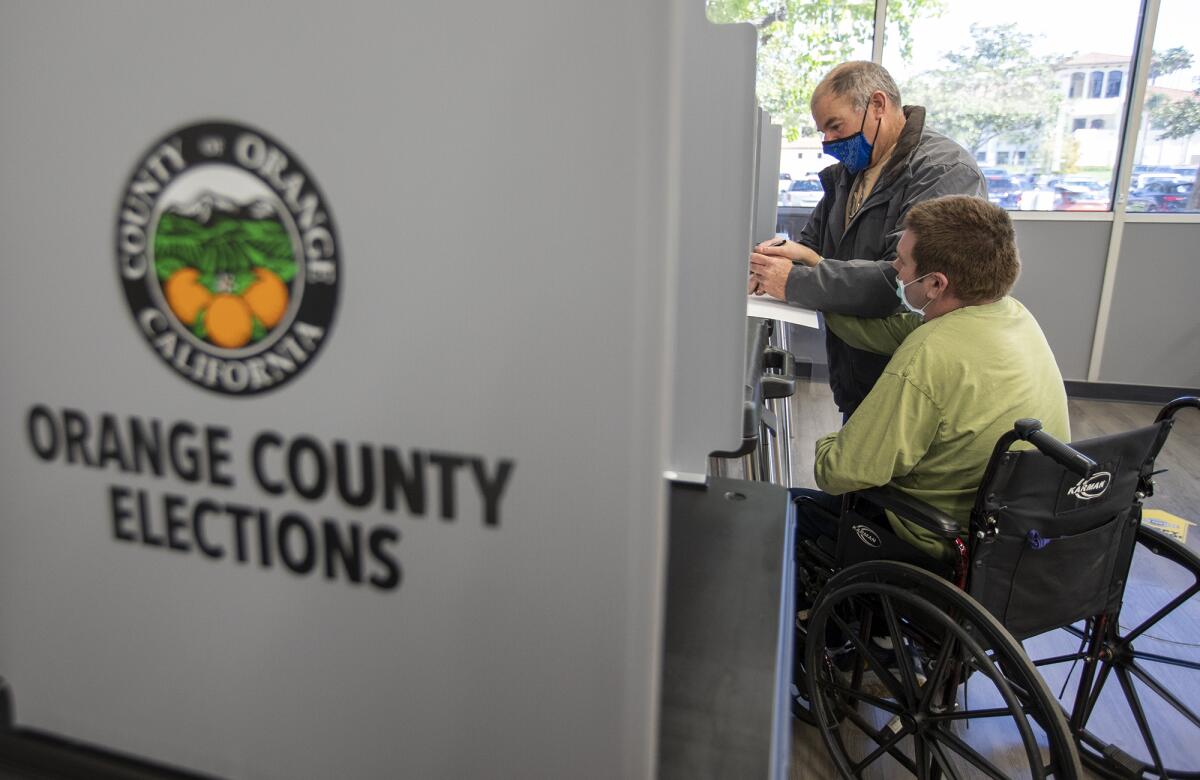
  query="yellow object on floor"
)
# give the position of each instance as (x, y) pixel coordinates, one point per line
(1167, 523)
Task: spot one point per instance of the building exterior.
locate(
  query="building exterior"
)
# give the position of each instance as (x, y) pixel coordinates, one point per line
(1087, 131)
(1094, 86)
(1092, 113)
(803, 157)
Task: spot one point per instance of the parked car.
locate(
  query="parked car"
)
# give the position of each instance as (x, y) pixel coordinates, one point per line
(785, 181)
(1077, 182)
(1160, 196)
(1139, 169)
(993, 171)
(1026, 181)
(1037, 199)
(1142, 180)
(803, 193)
(1004, 192)
(1070, 197)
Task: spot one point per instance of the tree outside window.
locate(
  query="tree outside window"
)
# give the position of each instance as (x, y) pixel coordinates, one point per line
(1004, 80)
(799, 41)
(991, 89)
(1166, 162)
(1174, 118)
(1017, 77)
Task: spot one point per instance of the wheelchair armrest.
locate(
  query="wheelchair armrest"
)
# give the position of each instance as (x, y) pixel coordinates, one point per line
(928, 517)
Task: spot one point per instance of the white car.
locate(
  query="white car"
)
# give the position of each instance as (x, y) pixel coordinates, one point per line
(804, 193)
(1142, 180)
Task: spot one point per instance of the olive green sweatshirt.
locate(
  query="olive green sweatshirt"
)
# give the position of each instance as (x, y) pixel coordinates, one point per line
(953, 386)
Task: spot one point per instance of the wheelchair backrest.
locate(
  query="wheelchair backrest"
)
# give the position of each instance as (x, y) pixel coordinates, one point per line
(1050, 547)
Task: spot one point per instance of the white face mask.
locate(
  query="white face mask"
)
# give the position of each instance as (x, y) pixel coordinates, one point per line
(904, 298)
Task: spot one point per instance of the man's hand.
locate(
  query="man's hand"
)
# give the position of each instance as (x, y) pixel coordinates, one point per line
(771, 274)
(789, 249)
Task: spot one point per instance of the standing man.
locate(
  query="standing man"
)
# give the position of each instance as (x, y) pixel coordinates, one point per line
(889, 161)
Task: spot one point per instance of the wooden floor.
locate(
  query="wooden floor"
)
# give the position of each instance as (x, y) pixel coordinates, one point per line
(1178, 492)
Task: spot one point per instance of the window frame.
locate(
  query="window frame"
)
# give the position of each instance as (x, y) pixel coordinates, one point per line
(1133, 98)
(1131, 91)
(1077, 85)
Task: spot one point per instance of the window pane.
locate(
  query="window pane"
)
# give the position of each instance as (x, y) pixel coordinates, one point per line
(1166, 160)
(1024, 85)
(799, 41)
(1114, 84)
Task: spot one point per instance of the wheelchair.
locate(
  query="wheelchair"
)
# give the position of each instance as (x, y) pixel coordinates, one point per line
(910, 664)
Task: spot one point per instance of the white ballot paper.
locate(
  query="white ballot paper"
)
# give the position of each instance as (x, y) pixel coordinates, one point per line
(774, 309)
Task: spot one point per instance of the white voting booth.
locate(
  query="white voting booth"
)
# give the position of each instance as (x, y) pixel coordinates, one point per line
(345, 349)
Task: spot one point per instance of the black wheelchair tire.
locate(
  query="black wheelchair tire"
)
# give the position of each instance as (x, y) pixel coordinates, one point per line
(939, 602)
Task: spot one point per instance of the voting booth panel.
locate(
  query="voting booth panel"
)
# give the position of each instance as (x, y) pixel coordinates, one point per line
(766, 199)
(717, 142)
(343, 347)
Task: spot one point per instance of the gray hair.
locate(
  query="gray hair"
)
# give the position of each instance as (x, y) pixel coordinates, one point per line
(858, 80)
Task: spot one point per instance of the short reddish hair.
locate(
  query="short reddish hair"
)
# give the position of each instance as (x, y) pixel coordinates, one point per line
(968, 239)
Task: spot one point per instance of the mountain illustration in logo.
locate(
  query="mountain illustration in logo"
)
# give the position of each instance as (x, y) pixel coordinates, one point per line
(207, 205)
(225, 267)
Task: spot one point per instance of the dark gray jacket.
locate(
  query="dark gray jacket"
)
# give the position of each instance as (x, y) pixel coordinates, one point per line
(856, 276)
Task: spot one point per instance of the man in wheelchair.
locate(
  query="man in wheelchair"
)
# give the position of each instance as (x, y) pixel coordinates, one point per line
(932, 551)
(966, 361)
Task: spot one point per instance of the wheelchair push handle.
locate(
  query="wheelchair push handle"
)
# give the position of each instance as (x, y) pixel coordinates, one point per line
(1183, 402)
(1067, 457)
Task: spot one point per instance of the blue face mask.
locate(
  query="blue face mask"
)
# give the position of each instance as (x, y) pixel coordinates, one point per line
(853, 151)
(904, 299)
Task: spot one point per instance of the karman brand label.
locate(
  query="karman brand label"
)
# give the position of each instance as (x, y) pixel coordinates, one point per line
(1092, 487)
(867, 535)
(229, 258)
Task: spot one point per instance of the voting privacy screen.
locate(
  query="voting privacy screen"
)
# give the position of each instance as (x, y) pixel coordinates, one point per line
(313, 465)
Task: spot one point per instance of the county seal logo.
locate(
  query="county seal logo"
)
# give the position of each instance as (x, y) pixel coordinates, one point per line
(228, 256)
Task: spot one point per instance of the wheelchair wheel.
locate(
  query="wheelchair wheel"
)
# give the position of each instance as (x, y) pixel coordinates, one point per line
(1133, 710)
(812, 574)
(927, 683)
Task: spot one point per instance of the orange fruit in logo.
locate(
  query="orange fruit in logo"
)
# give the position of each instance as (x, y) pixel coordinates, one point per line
(228, 321)
(267, 297)
(186, 296)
